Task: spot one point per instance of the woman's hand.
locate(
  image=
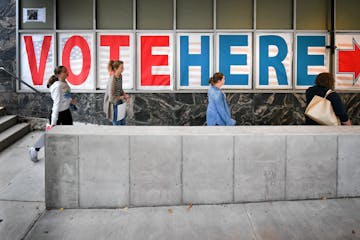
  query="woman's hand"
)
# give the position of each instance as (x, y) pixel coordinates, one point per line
(48, 127)
(127, 98)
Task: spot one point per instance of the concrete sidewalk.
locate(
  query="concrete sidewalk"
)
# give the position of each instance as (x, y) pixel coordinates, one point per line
(22, 188)
(321, 219)
(22, 214)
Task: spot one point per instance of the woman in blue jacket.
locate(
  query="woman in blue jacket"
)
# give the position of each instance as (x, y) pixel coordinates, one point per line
(218, 113)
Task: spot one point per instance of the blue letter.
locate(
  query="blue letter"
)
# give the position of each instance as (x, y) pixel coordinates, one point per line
(266, 61)
(304, 59)
(226, 58)
(187, 60)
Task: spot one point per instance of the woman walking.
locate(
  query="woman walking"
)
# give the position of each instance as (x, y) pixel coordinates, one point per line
(115, 96)
(323, 83)
(60, 113)
(218, 113)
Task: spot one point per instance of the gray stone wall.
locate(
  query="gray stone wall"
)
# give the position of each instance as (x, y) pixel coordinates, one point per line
(7, 42)
(153, 108)
(179, 109)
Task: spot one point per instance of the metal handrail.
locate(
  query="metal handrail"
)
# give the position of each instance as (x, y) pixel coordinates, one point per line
(18, 79)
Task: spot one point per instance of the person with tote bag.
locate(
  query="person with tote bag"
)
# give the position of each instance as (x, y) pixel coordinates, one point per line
(323, 105)
(115, 98)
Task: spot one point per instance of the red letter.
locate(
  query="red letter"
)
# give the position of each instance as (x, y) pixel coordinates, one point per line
(148, 60)
(114, 42)
(37, 74)
(86, 59)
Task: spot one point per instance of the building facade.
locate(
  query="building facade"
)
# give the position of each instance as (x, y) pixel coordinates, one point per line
(171, 48)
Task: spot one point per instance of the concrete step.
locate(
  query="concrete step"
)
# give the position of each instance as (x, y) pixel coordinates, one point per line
(2, 111)
(7, 121)
(11, 135)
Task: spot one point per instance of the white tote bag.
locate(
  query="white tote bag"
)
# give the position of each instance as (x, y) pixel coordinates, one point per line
(121, 111)
(321, 111)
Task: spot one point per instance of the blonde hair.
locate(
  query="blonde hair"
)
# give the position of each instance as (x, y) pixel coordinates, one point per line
(114, 64)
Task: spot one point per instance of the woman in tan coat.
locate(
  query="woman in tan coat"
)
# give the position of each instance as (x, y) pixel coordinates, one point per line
(115, 95)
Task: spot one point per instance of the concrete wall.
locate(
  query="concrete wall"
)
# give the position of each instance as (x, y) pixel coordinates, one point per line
(95, 167)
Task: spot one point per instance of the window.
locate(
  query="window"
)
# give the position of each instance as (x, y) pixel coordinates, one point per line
(49, 20)
(234, 14)
(180, 29)
(192, 14)
(274, 14)
(313, 15)
(112, 14)
(155, 14)
(347, 15)
(73, 15)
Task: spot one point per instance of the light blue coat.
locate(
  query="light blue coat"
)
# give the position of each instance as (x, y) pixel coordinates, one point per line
(218, 112)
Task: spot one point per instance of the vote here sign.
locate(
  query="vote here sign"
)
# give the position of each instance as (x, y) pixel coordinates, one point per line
(185, 61)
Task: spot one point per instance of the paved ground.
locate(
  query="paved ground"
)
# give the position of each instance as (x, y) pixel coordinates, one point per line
(22, 214)
(21, 189)
(327, 219)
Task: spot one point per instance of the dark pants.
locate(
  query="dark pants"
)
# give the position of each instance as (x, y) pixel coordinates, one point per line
(65, 118)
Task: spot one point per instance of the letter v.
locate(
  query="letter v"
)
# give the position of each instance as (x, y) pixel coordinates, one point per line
(37, 74)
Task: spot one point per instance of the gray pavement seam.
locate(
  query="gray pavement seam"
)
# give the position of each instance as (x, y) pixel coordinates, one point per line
(31, 226)
(251, 223)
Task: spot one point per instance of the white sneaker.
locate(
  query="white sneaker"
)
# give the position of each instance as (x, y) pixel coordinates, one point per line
(33, 154)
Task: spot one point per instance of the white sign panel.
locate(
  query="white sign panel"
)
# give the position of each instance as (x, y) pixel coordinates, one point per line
(116, 46)
(274, 53)
(37, 60)
(76, 54)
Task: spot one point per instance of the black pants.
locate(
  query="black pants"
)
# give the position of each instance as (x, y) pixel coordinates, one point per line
(64, 118)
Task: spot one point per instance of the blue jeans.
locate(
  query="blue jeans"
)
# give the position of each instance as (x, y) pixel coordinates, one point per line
(115, 122)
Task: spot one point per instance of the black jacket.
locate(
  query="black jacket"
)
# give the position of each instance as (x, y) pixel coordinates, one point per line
(333, 97)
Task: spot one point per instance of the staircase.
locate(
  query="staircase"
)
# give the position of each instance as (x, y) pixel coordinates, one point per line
(10, 129)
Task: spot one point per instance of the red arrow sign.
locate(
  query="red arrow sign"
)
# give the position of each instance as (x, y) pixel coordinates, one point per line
(349, 61)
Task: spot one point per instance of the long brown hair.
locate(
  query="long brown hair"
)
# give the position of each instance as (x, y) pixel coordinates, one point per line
(114, 64)
(215, 78)
(325, 79)
(51, 81)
